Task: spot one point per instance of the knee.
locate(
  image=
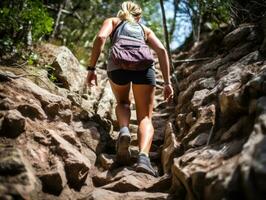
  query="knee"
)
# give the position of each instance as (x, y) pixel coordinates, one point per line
(145, 121)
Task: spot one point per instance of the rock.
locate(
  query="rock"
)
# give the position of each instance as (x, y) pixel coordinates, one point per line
(203, 124)
(44, 96)
(66, 115)
(76, 99)
(13, 124)
(52, 109)
(105, 104)
(183, 177)
(89, 137)
(185, 96)
(54, 180)
(229, 100)
(157, 121)
(170, 148)
(261, 107)
(198, 98)
(125, 179)
(236, 129)
(225, 187)
(236, 36)
(32, 111)
(208, 83)
(85, 115)
(162, 185)
(11, 163)
(16, 175)
(106, 161)
(252, 160)
(199, 140)
(76, 165)
(101, 194)
(133, 182)
(7, 104)
(126, 184)
(106, 177)
(39, 137)
(254, 87)
(88, 153)
(232, 148)
(68, 70)
(192, 168)
(68, 134)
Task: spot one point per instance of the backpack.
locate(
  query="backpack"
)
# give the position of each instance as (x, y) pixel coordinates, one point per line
(130, 53)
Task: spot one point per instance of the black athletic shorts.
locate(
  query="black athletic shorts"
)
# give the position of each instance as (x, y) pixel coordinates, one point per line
(123, 77)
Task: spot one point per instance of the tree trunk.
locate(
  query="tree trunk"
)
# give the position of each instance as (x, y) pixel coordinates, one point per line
(172, 29)
(61, 7)
(199, 21)
(166, 35)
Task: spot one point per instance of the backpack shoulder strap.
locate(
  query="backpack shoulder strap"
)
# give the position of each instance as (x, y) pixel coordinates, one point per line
(115, 31)
(144, 33)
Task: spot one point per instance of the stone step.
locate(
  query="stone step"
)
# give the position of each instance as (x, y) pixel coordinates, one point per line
(125, 179)
(102, 194)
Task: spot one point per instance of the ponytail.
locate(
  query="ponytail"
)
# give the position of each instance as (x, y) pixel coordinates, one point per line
(129, 11)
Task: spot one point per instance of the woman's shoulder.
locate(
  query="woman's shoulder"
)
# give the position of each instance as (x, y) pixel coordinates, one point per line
(115, 20)
(146, 29)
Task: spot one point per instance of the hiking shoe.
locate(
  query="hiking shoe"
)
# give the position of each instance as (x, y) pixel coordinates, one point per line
(144, 165)
(122, 149)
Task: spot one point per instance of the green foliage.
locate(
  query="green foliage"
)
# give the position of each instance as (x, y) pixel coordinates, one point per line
(19, 17)
(213, 12)
(35, 13)
(33, 58)
(82, 19)
(78, 33)
(51, 73)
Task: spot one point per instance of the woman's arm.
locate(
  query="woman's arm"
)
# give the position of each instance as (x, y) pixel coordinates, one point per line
(161, 52)
(100, 39)
(98, 44)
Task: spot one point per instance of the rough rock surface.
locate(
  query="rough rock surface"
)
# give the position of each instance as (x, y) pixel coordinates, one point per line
(220, 118)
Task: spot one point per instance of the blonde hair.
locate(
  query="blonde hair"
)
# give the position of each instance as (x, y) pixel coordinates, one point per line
(129, 11)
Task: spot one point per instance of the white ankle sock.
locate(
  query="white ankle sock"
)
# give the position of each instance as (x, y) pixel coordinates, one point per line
(124, 129)
(144, 153)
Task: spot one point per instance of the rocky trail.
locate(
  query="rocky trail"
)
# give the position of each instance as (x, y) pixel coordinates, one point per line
(59, 142)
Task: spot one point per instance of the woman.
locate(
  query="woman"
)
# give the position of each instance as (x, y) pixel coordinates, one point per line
(143, 82)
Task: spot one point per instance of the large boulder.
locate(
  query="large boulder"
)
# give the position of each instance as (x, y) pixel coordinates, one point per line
(17, 179)
(76, 165)
(68, 70)
(54, 179)
(13, 124)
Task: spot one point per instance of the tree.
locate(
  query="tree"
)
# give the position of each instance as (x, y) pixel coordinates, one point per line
(166, 32)
(18, 17)
(205, 13)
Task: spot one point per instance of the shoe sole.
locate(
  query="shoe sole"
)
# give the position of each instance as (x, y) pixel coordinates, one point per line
(123, 153)
(144, 169)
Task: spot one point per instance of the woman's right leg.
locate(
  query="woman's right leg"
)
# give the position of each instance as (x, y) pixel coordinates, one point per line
(121, 93)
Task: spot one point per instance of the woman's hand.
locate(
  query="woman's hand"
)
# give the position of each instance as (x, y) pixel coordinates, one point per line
(168, 92)
(91, 78)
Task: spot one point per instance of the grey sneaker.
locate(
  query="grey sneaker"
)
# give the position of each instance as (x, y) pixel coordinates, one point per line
(144, 165)
(122, 149)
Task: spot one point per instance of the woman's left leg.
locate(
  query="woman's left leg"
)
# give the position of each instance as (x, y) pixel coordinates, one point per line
(144, 99)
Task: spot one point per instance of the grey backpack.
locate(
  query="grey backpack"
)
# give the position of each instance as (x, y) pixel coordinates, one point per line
(130, 53)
